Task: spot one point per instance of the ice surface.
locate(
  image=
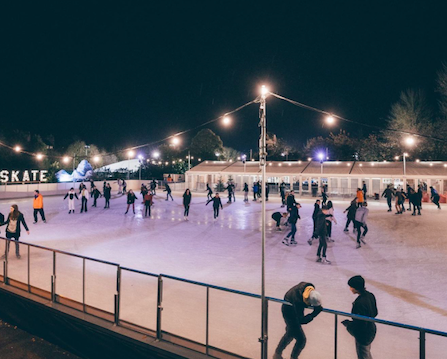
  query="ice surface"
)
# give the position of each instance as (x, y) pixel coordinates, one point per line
(403, 263)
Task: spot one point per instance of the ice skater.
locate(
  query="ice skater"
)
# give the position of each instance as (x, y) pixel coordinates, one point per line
(361, 215)
(351, 215)
(186, 203)
(415, 200)
(293, 218)
(434, 197)
(148, 202)
(120, 186)
(388, 194)
(168, 192)
(314, 219)
(107, 195)
(38, 206)
(363, 331)
(290, 201)
(230, 192)
(277, 216)
(255, 191)
(131, 201)
(400, 205)
(153, 187)
(329, 220)
(364, 190)
(360, 198)
(96, 194)
(321, 232)
(300, 296)
(210, 192)
(324, 197)
(84, 199)
(124, 186)
(216, 204)
(13, 223)
(245, 192)
(71, 194)
(282, 193)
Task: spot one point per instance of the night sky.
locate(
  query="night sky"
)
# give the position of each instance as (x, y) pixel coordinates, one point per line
(122, 75)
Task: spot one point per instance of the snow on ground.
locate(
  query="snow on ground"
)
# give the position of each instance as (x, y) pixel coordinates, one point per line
(403, 264)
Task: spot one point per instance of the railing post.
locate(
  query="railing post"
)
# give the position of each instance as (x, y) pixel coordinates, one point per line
(207, 319)
(264, 325)
(335, 336)
(159, 305)
(117, 295)
(29, 273)
(83, 284)
(421, 344)
(53, 290)
(5, 263)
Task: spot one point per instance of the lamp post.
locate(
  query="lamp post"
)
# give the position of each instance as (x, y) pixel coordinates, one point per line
(262, 163)
(130, 154)
(189, 160)
(140, 157)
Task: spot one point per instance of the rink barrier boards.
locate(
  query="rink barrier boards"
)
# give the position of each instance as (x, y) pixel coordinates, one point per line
(158, 332)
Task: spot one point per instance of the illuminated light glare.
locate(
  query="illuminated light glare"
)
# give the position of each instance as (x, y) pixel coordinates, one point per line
(372, 164)
(290, 164)
(348, 164)
(156, 154)
(418, 160)
(321, 156)
(330, 120)
(396, 158)
(96, 159)
(159, 162)
(166, 163)
(206, 161)
(406, 154)
(217, 154)
(252, 160)
(280, 165)
(309, 159)
(270, 164)
(431, 164)
(226, 121)
(360, 165)
(175, 141)
(299, 162)
(180, 160)
(231, 160)
(200, 160)
(66, 159)
(17, 148)
(264, 90)
(445, 165)
(238, 158)
(384, 161)
(409, 141)
(140, 157)
(39, 156)
(130, 153)
(173, 162)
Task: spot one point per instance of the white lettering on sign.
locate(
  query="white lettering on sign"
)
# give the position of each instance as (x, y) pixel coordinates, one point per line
(14, 176)
(19, 176)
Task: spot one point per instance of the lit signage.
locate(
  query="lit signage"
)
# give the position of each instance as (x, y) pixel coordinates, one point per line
(23, 176)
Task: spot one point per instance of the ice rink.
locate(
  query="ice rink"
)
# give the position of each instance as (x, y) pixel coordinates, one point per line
(404, 265)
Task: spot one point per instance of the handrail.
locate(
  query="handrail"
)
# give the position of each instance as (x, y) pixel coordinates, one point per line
(248, 294)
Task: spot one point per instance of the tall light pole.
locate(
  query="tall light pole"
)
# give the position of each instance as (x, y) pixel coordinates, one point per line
(262, 163)
(189, 160)
(409, 141)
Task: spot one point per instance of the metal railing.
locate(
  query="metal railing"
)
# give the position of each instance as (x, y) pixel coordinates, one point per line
(203, 346)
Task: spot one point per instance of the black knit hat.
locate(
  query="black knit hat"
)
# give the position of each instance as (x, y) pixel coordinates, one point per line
(357, 282)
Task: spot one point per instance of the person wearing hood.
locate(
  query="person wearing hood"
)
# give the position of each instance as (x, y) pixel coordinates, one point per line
(363, 331)
(301, 296)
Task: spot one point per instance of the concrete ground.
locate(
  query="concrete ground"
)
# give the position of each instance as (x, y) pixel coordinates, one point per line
(403, 263)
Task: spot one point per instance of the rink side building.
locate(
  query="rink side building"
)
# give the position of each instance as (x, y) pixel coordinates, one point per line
(342, 177)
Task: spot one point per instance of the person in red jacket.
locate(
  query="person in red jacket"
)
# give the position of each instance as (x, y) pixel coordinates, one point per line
(38, 206)
(148, 201)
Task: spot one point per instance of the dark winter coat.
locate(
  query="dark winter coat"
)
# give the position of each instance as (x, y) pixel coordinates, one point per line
(210, 191)
(216, 202)
(320, 224)
(148, 199)
(96, 193)
(71, 195)
(131, 198)
(364, 332)
(388, 193)
(107, 192)
(20, 220)
(245, 187)
(294, 215)
(316, 210)
(167, 188)
(294, 314)
(276, 216)
(351, 211)
(290, 201)
(186, 199)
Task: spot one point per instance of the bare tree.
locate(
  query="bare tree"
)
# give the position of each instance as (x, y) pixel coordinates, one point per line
(441, 88)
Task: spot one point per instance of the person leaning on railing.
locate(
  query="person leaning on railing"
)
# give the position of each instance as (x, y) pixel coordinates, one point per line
(300, 296)
(363, 331)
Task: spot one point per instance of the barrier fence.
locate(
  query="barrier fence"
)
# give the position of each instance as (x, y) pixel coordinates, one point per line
(216, 321)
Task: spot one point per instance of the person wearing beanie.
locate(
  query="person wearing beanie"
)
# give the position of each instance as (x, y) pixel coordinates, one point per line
(300, 297)
(363, 331)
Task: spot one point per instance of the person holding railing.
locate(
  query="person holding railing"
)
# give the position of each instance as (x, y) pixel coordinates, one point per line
(15, 219)
(363, 331)
(300, 297)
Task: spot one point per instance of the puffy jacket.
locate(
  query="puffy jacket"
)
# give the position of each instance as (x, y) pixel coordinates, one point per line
(294, 314)
(38, 202)
(364, 332)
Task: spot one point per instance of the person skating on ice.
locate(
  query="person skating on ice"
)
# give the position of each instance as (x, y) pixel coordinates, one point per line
(38, 206)
(400, 198)
(277, 216)
(84, 199)
(124, 186)
(186, 203)
(14, 221)
(290, 200)
(168, 192)
(388, 194)
(360, 198)
(148, 202)
(131, 201)
(415, 200)
(245, 192)
(329, 220)
(361, 216)
(324, 198)
(255, 191)
(120, 186)
(107, 195)
(294, 215)
(153, 187)
(420, 194)
(282, 193)
(364, 190)
(351, 215)
(96, 194)
(230, 192)
(363, 331)
(434, 197)
(301, 296)
(321, 232)
(217, 203)
(71, 194)
(314, 219)
(210, 192)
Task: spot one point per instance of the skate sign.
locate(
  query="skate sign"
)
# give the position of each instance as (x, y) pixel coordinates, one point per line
(23, 176)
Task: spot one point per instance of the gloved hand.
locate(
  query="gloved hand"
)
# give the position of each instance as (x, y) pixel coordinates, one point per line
(345, 322)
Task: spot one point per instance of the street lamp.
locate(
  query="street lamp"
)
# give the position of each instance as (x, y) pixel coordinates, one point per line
(321, 158)
(226, 121)
(330, 120)
(175, 141)
(155, 154)
(39, 156)
(130, 154)
(17, 148)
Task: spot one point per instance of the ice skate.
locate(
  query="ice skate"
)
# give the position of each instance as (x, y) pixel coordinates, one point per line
(330, 239)
(293, 242)
(346, 230)
(358, 246)
(19, 256)
(285, 241)
(278, 229)
(362, 239)
(318, 259)
(310, 242)
(277, 356)
(325, 261)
